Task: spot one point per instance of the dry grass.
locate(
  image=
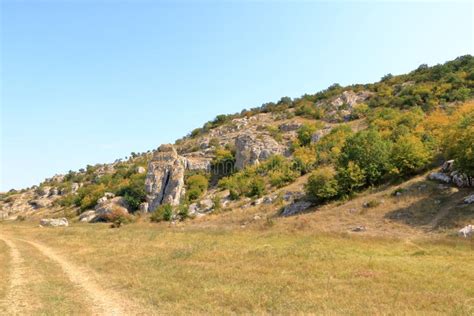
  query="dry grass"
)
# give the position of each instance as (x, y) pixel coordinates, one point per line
(4, 268)
(181, 270)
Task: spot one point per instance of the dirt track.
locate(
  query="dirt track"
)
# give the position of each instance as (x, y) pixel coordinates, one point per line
(100, 301)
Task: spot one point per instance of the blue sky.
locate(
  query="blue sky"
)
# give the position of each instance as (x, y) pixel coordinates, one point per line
(86, 82)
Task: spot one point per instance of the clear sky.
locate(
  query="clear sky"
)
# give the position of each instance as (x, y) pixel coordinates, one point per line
(86, 82)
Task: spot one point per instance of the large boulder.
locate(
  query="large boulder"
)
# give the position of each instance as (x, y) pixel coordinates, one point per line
(164, 183)
(469, 199)
(252, 149)
(87, 216)
(296, 207)
(54, 222)
(112, 207)
(440, 177)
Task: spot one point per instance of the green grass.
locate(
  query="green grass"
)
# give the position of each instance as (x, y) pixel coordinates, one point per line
(184, 270)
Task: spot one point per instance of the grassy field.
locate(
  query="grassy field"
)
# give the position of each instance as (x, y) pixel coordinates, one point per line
(181, 270)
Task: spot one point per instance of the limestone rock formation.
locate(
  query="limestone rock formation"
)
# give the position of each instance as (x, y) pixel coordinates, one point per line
(164, 183)
(252, 149)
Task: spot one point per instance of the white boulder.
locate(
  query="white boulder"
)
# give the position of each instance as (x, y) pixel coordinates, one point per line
(54, 222)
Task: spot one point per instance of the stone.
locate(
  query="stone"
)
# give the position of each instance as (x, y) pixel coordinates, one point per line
(447, 166)
(469, 199)
(164, 183)
(295, 208)
(461, 180)
(351, 98)
(289, 127)
(438, 176)
(87, 216)
(54, 222)
(251, 150)
(143, 207)
(466, 231)
(116, 205)
(257, 218)
(54, 192)
(206, 205)
(74, 187)
(39, 203)
(198, 163)
(140, 170)
(109, 195)
(359, 228)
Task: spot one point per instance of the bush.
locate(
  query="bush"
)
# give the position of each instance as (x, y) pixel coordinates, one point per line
(256, 187)
(196, 185)
(409, 155)
(305, 133)
(322, 185)
(350, 178)
(369, 152)
(117, 216)
(162, 213)
(134, 193)
(183, 211)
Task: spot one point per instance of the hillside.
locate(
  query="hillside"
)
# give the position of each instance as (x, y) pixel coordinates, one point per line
(324, 154)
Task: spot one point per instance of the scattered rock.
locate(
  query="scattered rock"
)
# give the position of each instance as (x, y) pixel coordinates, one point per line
(143, 207)
(447, 166)
(466, 232)
(295, 208)
(438, 176)
(359, 228)
(257, 218)
(319, 134)
(74, 187)
(164, 183)
(87, 216)
(54, 222)
(37, 204)
(289, 127)
(140, 170)
(469, 199)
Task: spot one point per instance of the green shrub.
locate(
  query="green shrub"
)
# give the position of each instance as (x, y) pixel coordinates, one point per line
(196, 185)
(350, 178)
(162, 213)
(322, 185)
(305, 132)
(409, 155)
(369, 152)
(256, 187)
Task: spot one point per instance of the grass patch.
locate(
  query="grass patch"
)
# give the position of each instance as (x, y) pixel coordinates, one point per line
(180, 271)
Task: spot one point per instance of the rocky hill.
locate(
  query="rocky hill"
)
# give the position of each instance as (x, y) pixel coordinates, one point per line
(289, 157)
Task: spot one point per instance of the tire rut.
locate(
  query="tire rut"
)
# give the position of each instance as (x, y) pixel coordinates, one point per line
(16, 302)
(103, 302)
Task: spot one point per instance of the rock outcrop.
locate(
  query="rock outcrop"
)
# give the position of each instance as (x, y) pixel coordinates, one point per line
(296, 208)
(164, 183)
(252, 149)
